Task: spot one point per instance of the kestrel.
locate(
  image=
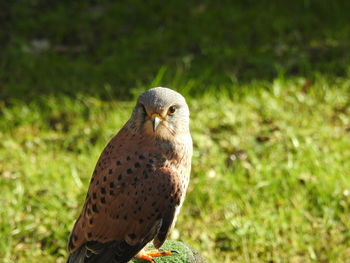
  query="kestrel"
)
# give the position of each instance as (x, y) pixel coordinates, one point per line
(138, 185)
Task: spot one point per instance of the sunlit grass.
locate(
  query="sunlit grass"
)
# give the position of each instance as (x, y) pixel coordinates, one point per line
(270, 178)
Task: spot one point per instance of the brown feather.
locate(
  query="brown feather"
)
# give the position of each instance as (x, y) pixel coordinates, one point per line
(128, 194)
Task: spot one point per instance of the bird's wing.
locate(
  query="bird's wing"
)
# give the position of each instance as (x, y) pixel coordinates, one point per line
(127, 201)
(166, 224)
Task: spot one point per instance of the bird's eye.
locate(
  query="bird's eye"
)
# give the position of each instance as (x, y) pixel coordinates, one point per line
(171, 110)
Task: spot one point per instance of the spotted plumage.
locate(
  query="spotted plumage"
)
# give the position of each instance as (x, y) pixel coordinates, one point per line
(139, 183)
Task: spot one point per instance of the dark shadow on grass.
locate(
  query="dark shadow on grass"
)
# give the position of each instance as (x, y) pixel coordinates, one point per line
(105, 48)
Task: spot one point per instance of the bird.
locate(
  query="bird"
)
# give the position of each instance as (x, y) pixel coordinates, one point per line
(138, 185)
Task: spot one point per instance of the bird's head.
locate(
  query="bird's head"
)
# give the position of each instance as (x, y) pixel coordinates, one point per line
(161, 112)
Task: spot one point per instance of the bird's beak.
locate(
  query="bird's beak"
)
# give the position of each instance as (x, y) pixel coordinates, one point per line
(156, 119)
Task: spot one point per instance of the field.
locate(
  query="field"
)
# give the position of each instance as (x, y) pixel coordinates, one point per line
(270, 120)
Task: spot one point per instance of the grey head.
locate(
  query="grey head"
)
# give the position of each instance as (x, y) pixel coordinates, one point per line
(161, 112)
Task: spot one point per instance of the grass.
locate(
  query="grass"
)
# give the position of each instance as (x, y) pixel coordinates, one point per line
(102, 48)
(269, 91)
(270, 178)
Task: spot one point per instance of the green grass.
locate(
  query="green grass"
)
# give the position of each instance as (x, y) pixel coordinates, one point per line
(269, 91)
(270, 179)
(102, 48)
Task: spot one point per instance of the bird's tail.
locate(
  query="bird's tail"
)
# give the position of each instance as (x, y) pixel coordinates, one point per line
(96, 252)
(78, 256)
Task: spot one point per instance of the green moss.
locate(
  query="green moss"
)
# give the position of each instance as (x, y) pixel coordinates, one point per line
(186, 254)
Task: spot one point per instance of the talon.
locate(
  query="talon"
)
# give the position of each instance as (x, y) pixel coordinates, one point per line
(151, 254)
(145, 257)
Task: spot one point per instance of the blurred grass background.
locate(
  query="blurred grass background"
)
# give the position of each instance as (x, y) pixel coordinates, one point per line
(269, 91)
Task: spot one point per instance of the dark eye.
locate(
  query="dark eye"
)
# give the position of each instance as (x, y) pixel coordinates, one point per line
(171, 110)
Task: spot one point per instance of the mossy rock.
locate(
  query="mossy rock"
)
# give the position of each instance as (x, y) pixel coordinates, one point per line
(186, 254)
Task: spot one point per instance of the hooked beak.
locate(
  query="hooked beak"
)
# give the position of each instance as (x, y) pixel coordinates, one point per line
(156, 119)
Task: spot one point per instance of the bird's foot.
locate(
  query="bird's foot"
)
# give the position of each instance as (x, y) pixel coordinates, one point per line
(150, 254)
